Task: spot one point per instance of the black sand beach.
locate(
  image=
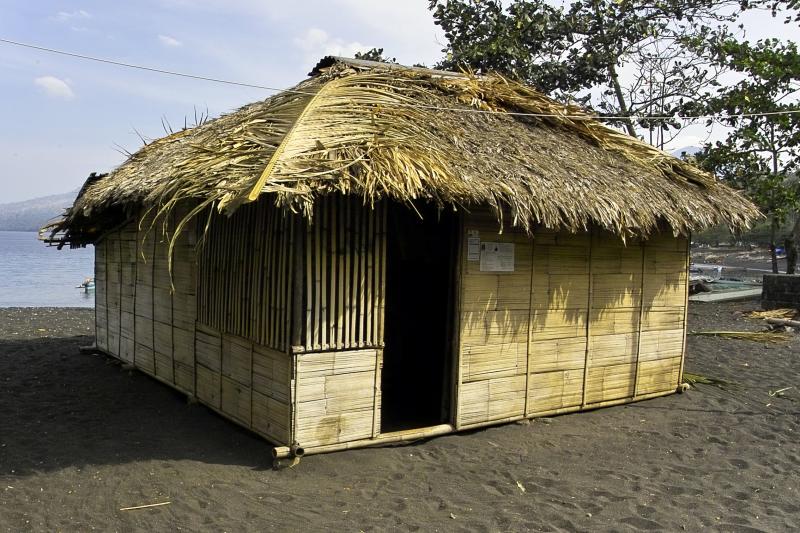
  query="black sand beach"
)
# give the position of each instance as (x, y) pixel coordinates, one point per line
(81, 437)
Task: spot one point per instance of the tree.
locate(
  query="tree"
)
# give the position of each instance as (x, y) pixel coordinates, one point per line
(587, 47)
(375, 54)
(761, 153)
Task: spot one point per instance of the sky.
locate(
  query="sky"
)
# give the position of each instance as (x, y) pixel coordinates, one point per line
(62, 118)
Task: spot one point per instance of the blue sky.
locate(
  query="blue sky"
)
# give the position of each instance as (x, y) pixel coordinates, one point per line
(60, 118)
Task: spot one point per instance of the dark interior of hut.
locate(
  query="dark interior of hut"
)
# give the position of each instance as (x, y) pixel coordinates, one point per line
(417, 361)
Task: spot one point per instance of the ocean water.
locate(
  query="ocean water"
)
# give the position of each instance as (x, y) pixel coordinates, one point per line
(33, 274)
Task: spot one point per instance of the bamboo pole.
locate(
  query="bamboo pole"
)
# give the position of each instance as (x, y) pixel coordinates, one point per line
(530, 319)
(685, 308)
(370, 303)
(324, 276)
(348, 260)
(458, 286)
(588, 319)
(639, 328)
(362, 265)
(317, 282)
(309, 292)
(296, 238)
(341, 317)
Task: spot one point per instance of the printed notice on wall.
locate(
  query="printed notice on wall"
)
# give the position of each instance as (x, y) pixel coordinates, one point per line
(473, 245)
(497, 257)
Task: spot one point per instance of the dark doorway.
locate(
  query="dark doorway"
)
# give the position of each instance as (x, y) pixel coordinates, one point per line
(417, 359)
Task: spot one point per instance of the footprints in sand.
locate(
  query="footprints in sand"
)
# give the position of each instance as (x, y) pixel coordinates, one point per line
(741, 464)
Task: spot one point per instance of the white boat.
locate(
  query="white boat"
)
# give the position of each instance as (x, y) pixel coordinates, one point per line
(87, 285)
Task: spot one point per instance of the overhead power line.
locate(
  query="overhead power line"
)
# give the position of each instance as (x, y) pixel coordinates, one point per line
(139, 67)
(586, 116)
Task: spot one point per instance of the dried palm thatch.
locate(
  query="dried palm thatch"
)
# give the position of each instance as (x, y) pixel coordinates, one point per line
(773, 337)
(773, 313)
(388, 132)
(694, 379)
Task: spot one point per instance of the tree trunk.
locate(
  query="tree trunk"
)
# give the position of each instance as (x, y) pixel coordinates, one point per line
(623, 105)
(793, 246)
(773, 229)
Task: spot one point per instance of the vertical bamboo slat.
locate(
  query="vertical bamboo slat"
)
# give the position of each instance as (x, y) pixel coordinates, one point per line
(588, 320)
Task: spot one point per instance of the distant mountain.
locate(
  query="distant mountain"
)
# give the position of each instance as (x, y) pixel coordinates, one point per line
(688, 150)
(30, 215)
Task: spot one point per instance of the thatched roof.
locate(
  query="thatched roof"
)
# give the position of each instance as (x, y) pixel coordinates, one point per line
(385, 131)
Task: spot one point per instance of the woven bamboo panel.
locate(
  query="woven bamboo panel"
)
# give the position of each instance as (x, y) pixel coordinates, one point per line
(552, 291)
(236, 401)
(610, 382)
(479, 362)
(557, 354)
(164, 367)
(271, 418)
(548, 324)
(658, 375)
(162, 338)
(184, 378)
(237, 359)
(559, 313)
(664, 290)
(143, 329)
(162, 302)
(493, 327)
(144, 358)
(491, 399)
(271, 373)
(183, 345)
(113, 296)
(208, 386)
(662, 318)
(555, 390)
(101, 321)
(208, 349)
(335, 396)
(607, 350)
(613, 320)
(661, 344)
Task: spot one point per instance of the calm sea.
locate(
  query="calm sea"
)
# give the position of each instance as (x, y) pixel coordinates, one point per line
(33, 274)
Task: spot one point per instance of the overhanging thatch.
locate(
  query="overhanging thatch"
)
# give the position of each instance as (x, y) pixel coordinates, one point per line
(381, 131)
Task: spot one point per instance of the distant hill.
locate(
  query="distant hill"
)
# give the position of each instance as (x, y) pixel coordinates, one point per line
(30, 215)
(688, 150)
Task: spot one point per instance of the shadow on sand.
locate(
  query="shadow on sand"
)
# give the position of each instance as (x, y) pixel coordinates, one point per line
(61, 408)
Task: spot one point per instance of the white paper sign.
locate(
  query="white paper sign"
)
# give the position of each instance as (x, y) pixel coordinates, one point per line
(473, 245)
(497, 257)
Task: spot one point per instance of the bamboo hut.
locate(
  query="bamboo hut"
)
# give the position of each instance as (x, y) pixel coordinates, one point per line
(384, 253)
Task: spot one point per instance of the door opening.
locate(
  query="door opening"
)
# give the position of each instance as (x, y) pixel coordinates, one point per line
(417, 360)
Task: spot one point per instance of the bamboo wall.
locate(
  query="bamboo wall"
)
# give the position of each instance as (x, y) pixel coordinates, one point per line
(281, 329)
(339, 357)
(245, 268)
(583, 320)
(139, 318)
(343, 271)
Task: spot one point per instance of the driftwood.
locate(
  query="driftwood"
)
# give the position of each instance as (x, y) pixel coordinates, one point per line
(784, 322)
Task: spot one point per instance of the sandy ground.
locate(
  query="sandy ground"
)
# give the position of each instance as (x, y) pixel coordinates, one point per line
(80, 437)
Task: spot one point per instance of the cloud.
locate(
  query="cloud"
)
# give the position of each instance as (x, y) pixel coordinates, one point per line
(55, 87)
(67, 16)
(317, 43)
(166, 40)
